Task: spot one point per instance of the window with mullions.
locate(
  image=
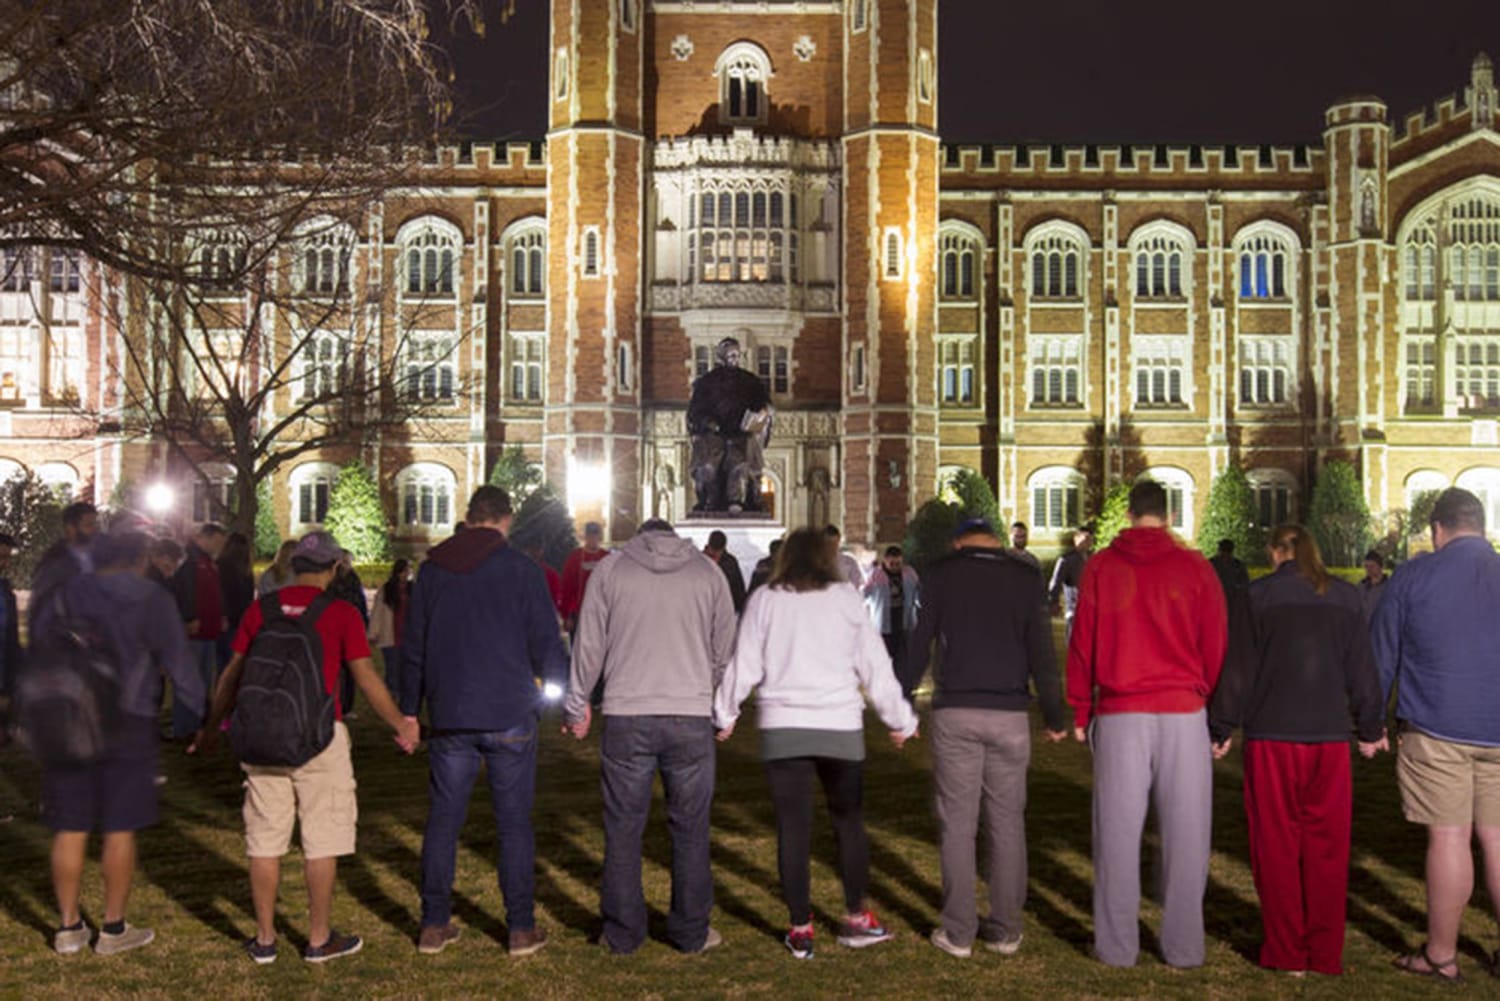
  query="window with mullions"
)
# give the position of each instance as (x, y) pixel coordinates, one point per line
(1056, 499)
(1420, 374)
(956, 357)
(1476, 374)
(526, 356)
(16, 264)
(324, 265)
(959, 253)
(312, 485)
(325, 363)
(1474, 246)
(1265, 371)
(745, 234)
(426, 495)
(528, 263)
(891, 256)
(1055, 261)
(1263, 268)
(743, 70)
(1158, 268)
(63, 266)
(429, 367)
(429, 263)
(221, 262)
(1057, 372)
(213, 494)
(773, 364)
(1160, 371)
(1272, 493)
(1419, 264)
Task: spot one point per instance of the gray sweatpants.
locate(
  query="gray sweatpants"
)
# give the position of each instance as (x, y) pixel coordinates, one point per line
(979, 759)
(1165, 760)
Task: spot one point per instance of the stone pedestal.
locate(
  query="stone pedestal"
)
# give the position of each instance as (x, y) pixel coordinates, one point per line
(749, 535)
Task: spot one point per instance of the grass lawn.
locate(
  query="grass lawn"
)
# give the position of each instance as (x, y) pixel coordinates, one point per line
(192, 888)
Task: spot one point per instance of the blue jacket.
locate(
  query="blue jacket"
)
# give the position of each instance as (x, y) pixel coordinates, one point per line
(1436, 633)
(480, 629)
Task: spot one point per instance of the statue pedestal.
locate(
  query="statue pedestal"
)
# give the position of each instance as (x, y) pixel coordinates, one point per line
(749, 534)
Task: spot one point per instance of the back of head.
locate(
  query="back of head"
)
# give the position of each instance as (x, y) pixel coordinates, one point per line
(1458, 512)
(1226, 547)
(805, 562)
(893, 551)
(171, 549)
(1296, 542)
(832, 531)
(120, 550)
(658, 525)
(488, 505)
(1148, 499)
(717, 540)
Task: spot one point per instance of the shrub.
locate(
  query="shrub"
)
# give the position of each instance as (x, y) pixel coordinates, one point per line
(356, 517)
(267, 534)
(1338, 516)
(1230, 514)
(31, 512)
(517, 474)
(1114, 515)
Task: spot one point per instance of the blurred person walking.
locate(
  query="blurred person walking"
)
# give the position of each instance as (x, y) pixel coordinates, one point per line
(200, 600)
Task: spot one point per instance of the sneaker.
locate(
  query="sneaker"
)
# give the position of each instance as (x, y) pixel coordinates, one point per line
(799, 942)
(262, 954)
(337, 945)
(131, 938)
(525, 943)
(67, 941)
(435, 938)
(942, 941)
(1004, 946)
(865, 930)
(712, 940)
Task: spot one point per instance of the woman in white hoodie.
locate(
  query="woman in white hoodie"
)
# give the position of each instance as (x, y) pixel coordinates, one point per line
(806, 642)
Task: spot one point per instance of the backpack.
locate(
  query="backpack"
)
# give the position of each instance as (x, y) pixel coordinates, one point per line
(283, 714)
(68, 696)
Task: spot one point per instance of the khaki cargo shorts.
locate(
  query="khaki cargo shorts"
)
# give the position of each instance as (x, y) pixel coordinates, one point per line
(318, 794)
(1447, 783)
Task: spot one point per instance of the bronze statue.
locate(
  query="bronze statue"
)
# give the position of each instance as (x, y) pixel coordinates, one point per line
(729, 420)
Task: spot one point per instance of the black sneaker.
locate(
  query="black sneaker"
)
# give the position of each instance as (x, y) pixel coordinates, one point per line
(338, 944)
(262, 954)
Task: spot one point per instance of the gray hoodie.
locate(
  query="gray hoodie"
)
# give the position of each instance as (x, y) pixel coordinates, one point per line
(657, 623)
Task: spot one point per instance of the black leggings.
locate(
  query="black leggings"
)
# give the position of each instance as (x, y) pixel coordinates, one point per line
(791, 781)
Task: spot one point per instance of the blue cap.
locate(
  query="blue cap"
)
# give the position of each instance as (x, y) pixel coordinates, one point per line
(973, 526)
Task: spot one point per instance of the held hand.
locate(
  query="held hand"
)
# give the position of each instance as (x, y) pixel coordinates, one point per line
(1081, 734)
(1055, 736)
(899, 739)
(409, 734)
(1222, 747)
(724, 734)
(580, 728)
(1368, 749)
(204, 742)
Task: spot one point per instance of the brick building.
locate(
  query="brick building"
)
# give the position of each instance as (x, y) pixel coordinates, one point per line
(1058, 318)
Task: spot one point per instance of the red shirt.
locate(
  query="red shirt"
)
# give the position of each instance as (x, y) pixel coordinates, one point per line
(339, 627)
(575, 577)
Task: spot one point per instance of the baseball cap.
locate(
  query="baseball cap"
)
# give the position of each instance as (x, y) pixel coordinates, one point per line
(318, 547)
(973, 526)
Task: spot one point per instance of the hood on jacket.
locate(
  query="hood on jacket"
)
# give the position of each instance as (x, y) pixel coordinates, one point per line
(1145, 545)
(660, 552)
(121, 588)
(466, 552)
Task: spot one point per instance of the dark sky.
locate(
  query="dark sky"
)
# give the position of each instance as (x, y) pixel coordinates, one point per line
(1251, 71)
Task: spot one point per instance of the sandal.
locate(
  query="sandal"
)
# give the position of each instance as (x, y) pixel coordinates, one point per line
(1434, 969)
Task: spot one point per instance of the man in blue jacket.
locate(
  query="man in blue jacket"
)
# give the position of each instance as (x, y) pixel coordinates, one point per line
(1435, 634)
(480, 630)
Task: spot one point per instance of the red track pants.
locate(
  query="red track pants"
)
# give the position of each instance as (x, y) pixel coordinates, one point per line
(1298, 801)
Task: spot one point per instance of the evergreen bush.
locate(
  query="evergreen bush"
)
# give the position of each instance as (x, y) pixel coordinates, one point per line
(1338, 516)
(356, 517)
(1230, 514)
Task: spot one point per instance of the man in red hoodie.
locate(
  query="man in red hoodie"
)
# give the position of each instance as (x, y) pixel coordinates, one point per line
(1148, 642)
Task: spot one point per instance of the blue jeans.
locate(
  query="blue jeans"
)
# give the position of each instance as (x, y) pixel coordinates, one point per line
(453, 759)
(634, 749)
(203, 656)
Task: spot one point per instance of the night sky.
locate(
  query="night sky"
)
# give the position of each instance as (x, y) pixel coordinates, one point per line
(1252, 71)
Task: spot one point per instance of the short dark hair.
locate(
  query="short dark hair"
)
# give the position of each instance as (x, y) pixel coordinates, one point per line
(211, 528)
(717, 540)
(832, 531)
(1148, 499)
(1457, 510)
(169, 548)
(114, 550)
(893, 550)
(488, 504)
(7, 539)
(302, 564)
(655, 525)
(1226, 547)
(1017, 524)
(76, 512)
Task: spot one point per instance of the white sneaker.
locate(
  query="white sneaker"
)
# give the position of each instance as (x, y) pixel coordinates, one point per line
(130, 938)
(942, 941)
(1005, 946)
(67, 941)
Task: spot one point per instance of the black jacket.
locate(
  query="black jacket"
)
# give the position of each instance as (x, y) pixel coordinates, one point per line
(1299, 664)
(731, 568)
(987, 611)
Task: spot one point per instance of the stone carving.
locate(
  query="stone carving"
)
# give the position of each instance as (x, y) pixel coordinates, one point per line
(682, 48)
(804, 48)
(729, 421)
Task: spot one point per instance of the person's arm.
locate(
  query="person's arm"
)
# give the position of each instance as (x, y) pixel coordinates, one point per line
(872, 666)
(549, 661)
(413, 653)
(408, 731)
(588, 654)
(185, 590)
(747, 668)
(167, 645)
(1386, 628)
(1081, 651)
(1054, 589)
(1212, 616)
(919, 645)
(736, 586)
(1042, 660)
(1226, 710)
(1362, 680)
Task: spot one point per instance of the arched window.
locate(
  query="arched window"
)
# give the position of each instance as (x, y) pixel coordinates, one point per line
(1266, 253)
(1162, 253)
(425, 491)
(213, 491)
(1474, 243)
(1275, 494)
(323, 367)
(430, 249)
(10, 469)
(1055, 252)
(891, 255)
(1056, 498)
(1484, 482)
(746, 230)
(59, 477)
(590, 253)
(743, 71)
(1423, 481)
(959, 254)
(858, 15)
(327, 248)
(1178, 484)
(311, 484)
(528, 262)
(222, 259)
(1419, 264)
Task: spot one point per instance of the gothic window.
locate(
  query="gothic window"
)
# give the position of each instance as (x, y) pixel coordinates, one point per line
(1265, 256)
(428, 366)
(1160, 371)
(857, 369)
(1056, 371)
(1423, 481)
(213, 492)
(624, 366)
(61, 479)
(1420, 373)
(560, 75)
(323, 267)
(65, 362)
(1273, 493)
(590, 253)
(858, 15)
(1483, 482)
(430, 249)
(528, 263)
(527, 353)
(891, 255)
(1265, 371)
(773, 364)
(959, 255)
(213, 363)
(1419, 264)
(1056, 255)
(324, 367)
(1474, 243)
(221, 261)
(743, 70)
(15, 269)
(924, 77)
(19, 357)
(956, 370)
(1056, 498)
(1476, 373)
(63, 266)
(1162, 254)
(745, 233)
(425, 491)
(311, 485)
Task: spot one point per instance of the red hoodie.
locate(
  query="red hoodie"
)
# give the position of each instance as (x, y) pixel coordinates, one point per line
(1150, 630)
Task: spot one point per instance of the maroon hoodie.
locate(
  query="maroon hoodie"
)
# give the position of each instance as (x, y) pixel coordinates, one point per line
(1150, 631)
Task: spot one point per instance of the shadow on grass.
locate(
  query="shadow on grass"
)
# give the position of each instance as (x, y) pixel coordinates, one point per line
(27, 887)
(191, 872)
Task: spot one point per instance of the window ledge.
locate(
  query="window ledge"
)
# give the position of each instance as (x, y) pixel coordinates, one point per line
(1263, 301)
(1163, 301)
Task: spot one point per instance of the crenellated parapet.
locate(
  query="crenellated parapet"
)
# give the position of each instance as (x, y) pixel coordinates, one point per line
(1142, 162)
(744, 148)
